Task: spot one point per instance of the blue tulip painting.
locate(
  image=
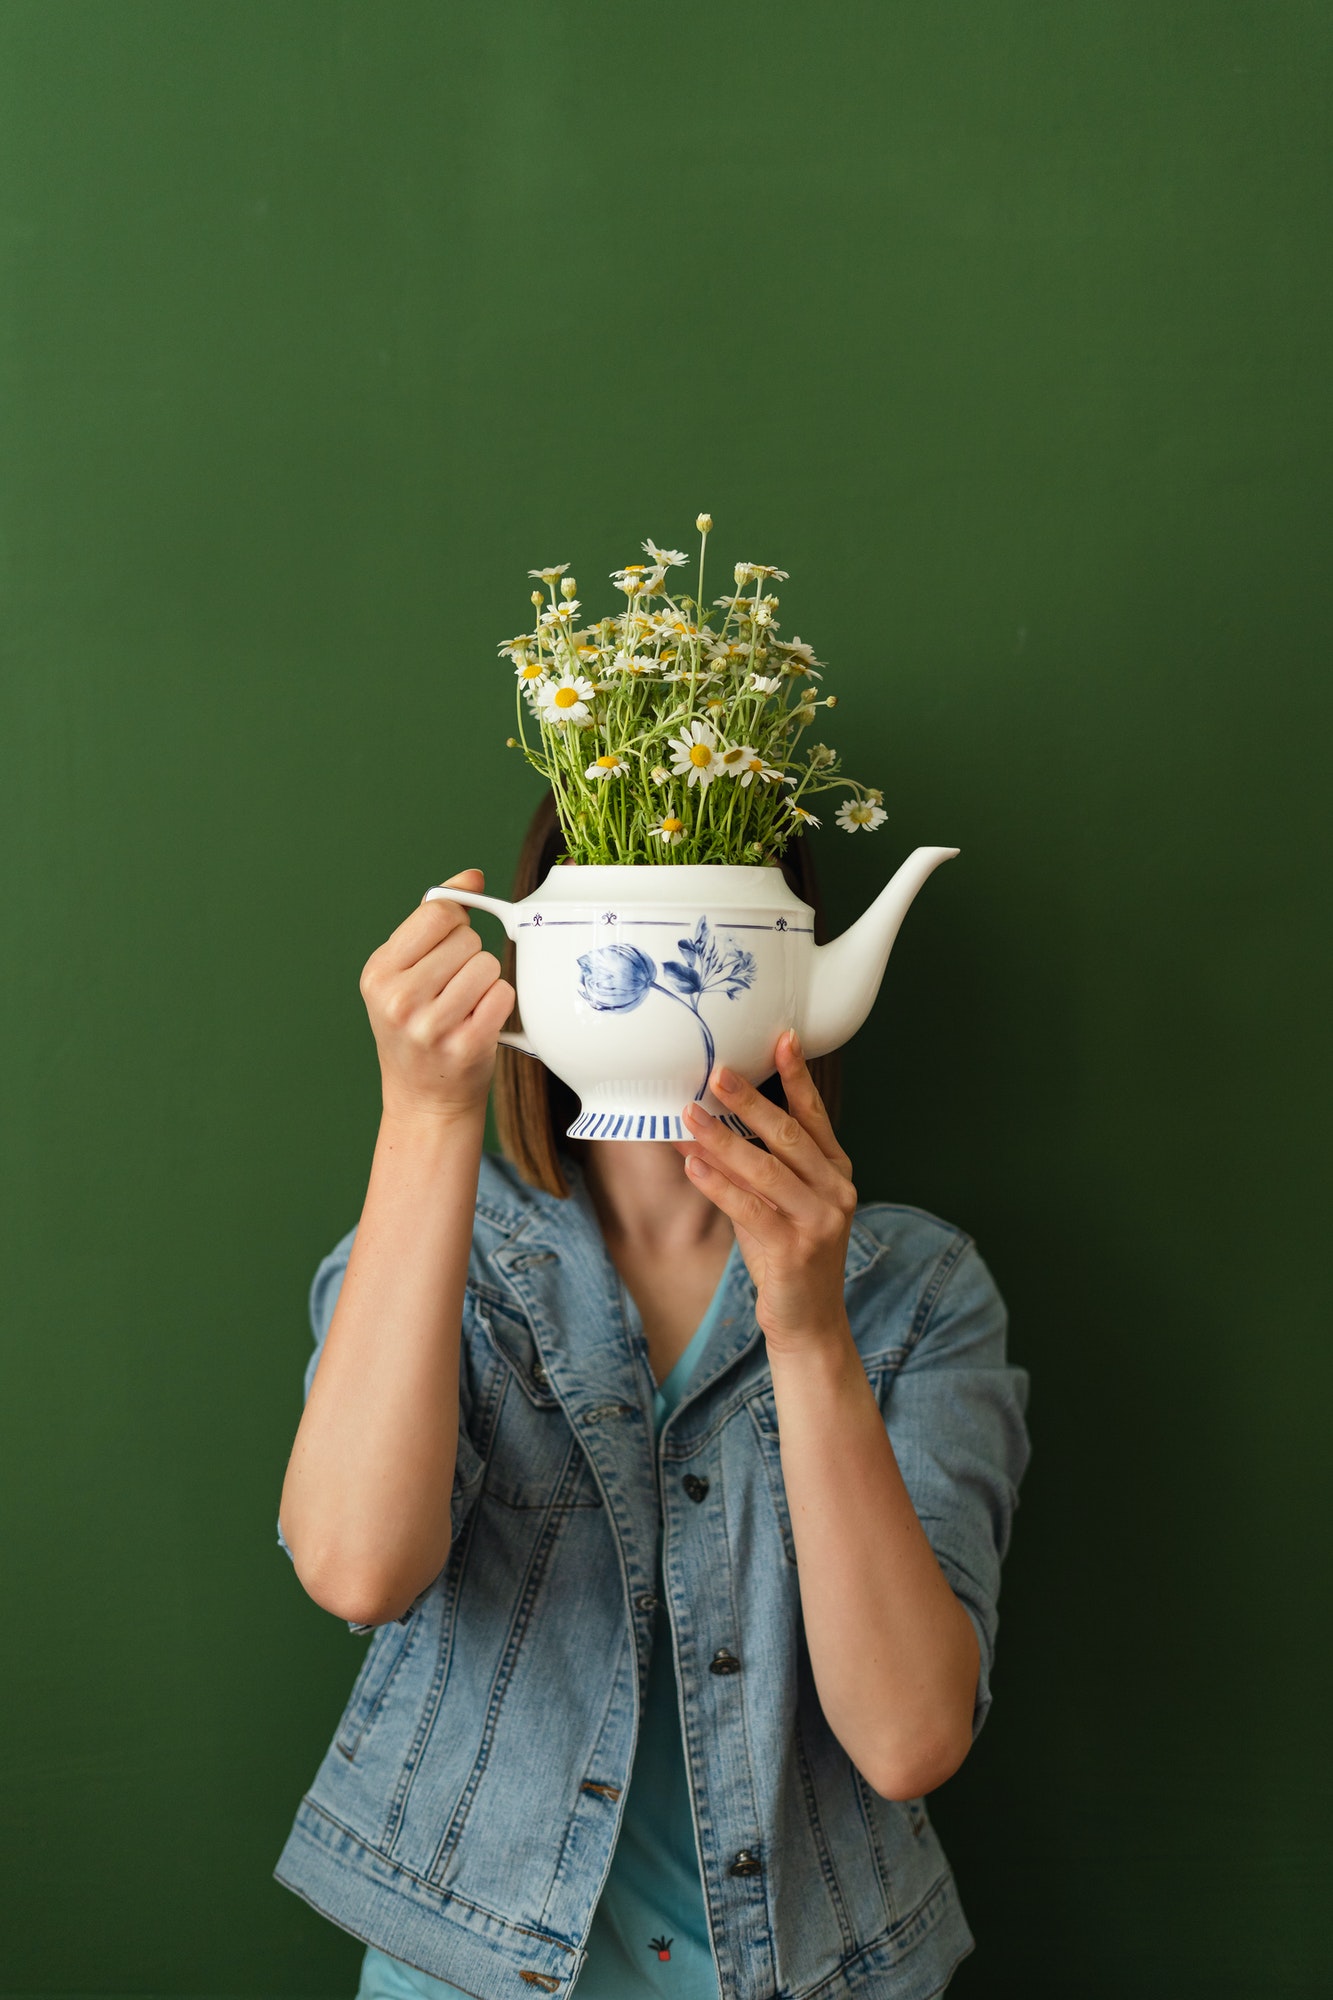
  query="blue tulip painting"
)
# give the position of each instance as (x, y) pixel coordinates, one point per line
(617, 978)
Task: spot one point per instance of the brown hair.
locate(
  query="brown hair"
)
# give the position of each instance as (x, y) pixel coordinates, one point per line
(532, 1107)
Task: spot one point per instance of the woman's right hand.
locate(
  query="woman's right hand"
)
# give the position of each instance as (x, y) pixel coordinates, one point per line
(436, 1003)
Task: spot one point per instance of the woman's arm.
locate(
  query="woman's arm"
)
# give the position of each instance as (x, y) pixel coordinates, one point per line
(894, 1654)
(365, 1504)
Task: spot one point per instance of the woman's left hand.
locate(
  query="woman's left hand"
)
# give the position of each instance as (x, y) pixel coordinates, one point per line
(791, 1206)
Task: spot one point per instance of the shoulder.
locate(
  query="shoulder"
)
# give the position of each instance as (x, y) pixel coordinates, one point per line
(505, 1202)
(327, 1282)
(905, 1267)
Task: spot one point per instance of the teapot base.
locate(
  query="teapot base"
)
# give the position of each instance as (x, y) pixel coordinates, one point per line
(609, 1122)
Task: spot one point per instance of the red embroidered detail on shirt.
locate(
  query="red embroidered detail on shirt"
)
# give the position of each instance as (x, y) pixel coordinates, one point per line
(662, 1946)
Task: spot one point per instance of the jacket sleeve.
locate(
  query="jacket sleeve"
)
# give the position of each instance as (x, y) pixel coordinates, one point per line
(468, 1465)
(955, 1413)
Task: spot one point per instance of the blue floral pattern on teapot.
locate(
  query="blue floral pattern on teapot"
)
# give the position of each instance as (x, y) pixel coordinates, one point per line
(616, 978)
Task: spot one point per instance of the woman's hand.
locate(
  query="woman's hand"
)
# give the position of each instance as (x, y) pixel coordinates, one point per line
(791, 1207)
(436, 1003)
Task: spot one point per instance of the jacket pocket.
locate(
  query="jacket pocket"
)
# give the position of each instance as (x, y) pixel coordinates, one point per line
(384, 1656)
(529, 1440)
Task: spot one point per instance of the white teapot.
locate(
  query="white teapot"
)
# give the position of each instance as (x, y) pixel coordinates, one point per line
(634, 981)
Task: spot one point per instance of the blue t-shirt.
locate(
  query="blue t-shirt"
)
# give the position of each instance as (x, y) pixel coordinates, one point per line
(649, 1933)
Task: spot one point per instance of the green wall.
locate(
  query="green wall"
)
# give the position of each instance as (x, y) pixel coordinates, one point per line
(1003, 327)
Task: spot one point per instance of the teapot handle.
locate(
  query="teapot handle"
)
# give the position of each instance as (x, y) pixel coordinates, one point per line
(497, 907)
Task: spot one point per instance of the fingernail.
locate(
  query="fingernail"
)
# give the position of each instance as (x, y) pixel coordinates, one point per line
(795, 1040)
(697, 1111)
(725, 1079)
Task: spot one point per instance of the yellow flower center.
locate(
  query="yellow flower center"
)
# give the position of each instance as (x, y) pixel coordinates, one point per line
(756, 764)
(565, 698)
(609, 763)
(701, 756)
(532, 671)
(672, 825)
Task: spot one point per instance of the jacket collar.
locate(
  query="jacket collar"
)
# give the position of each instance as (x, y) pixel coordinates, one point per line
(560, 1243)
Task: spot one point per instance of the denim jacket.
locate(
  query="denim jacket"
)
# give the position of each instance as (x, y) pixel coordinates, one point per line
(465, 1813)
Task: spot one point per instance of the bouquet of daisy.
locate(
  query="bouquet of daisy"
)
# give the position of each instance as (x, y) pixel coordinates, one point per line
(668, 734)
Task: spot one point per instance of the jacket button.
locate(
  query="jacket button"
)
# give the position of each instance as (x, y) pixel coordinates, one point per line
(724, 1662)
(694, 1486)
(747, 1862)
(539, 1374)
(646, 1601)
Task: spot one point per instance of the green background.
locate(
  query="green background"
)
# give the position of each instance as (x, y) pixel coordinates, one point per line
(1003, 327)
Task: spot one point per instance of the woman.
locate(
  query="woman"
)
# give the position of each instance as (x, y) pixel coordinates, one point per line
(675, 1487)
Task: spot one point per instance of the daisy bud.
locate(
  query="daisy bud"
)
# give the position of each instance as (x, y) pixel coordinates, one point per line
(537, 597)
(741, 571)
(830, 701)
(660, 774)
(704, 523)
(568, 588)
(511, 742)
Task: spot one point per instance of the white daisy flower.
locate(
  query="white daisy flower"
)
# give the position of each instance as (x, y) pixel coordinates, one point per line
(765, 683)
(609, 765)
(694, 754)
(566, 700)
(756, 570)
(664, 558)
(532, 672)
(854, 813)
(806, 818)
(560, 614)
(669, 830)
(737, 758)
(762, 612)
(549, 575)
(796, 649)
(757, 769)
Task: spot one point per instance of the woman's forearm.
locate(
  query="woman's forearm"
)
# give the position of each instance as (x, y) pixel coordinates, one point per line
(366, 1501)
(893, 1652)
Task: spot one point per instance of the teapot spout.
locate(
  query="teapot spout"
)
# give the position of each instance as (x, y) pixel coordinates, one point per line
(846, 974)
